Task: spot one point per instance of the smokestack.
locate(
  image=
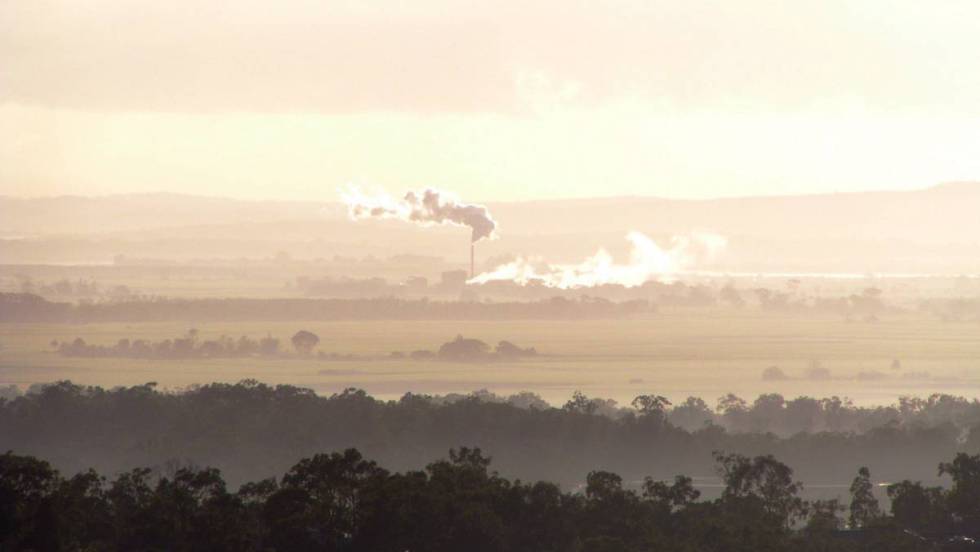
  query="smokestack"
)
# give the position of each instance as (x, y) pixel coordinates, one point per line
(472, 262)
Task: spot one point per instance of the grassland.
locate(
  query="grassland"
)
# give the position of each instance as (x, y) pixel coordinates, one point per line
(677, 353)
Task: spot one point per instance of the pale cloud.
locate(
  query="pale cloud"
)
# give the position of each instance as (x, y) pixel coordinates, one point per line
(337, 57)
(503, 100)
(621, 148)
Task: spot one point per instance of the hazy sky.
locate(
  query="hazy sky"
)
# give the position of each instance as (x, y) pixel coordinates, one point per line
(496, 100)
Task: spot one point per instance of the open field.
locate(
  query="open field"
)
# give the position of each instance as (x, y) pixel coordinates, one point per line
(675, 354)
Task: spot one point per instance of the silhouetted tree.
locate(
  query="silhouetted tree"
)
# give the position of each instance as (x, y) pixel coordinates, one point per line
(964, 497)
(650, 404)
(677, 495)
(864, 506)
(463, 348)
(916, 507)
(335, 492)
(691, 414)
(581, 404)
(25, 507)
(765, 479)
(304, 341)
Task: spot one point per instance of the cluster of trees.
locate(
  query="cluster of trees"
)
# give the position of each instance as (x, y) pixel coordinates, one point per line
(188, 346)
(19, 307)
(469, 349)
(342, 501)
(464, 349)
(866, 306)
(250, 430)
(774, 413)
(460, 349)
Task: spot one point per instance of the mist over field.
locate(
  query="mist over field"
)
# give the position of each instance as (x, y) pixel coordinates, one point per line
(634, 337)
(514, 277)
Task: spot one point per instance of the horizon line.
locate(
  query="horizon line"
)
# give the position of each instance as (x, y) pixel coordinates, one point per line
(164, 193)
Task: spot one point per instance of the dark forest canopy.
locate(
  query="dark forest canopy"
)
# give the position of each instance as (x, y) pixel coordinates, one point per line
(342, 501)
(251, 431)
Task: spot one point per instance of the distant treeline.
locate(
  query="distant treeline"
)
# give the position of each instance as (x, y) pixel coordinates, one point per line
(561, 304)
(251, 430)
(189, 346)
(341, 501)
(21, 307)
(177, 348)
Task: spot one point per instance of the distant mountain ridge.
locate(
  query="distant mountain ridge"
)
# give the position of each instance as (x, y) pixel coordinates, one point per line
(930, 230)
(940, 214)
(99, 214)
(870, 211)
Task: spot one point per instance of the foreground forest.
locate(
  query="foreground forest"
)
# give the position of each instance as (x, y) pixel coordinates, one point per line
(251, 431)
(341, 501)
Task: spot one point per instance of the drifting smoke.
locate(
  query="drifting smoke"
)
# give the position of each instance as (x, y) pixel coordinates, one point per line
(427, 207)
(648, 261)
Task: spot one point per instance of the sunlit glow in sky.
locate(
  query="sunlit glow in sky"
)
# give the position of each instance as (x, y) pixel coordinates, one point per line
(496, 101)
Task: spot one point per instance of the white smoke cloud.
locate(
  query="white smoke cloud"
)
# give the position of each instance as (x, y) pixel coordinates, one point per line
(427, 207)
(648, 261)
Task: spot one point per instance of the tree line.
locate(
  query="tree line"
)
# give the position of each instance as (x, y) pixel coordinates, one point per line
(21, 307)
(189, 345)
(558, 304)
(250, 430)
(341, 501)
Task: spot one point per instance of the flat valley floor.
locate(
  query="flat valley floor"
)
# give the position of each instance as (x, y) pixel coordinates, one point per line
(676, 354)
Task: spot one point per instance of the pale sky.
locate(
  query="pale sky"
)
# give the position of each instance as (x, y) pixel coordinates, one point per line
(494, 100)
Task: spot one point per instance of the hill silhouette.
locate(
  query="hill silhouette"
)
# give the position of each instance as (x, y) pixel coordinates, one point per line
(926, 231)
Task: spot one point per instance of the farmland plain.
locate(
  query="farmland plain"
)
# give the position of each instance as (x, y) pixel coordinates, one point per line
(677, 353)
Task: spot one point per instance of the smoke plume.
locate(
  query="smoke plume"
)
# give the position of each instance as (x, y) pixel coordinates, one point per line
(427, 207)
(648, 261)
